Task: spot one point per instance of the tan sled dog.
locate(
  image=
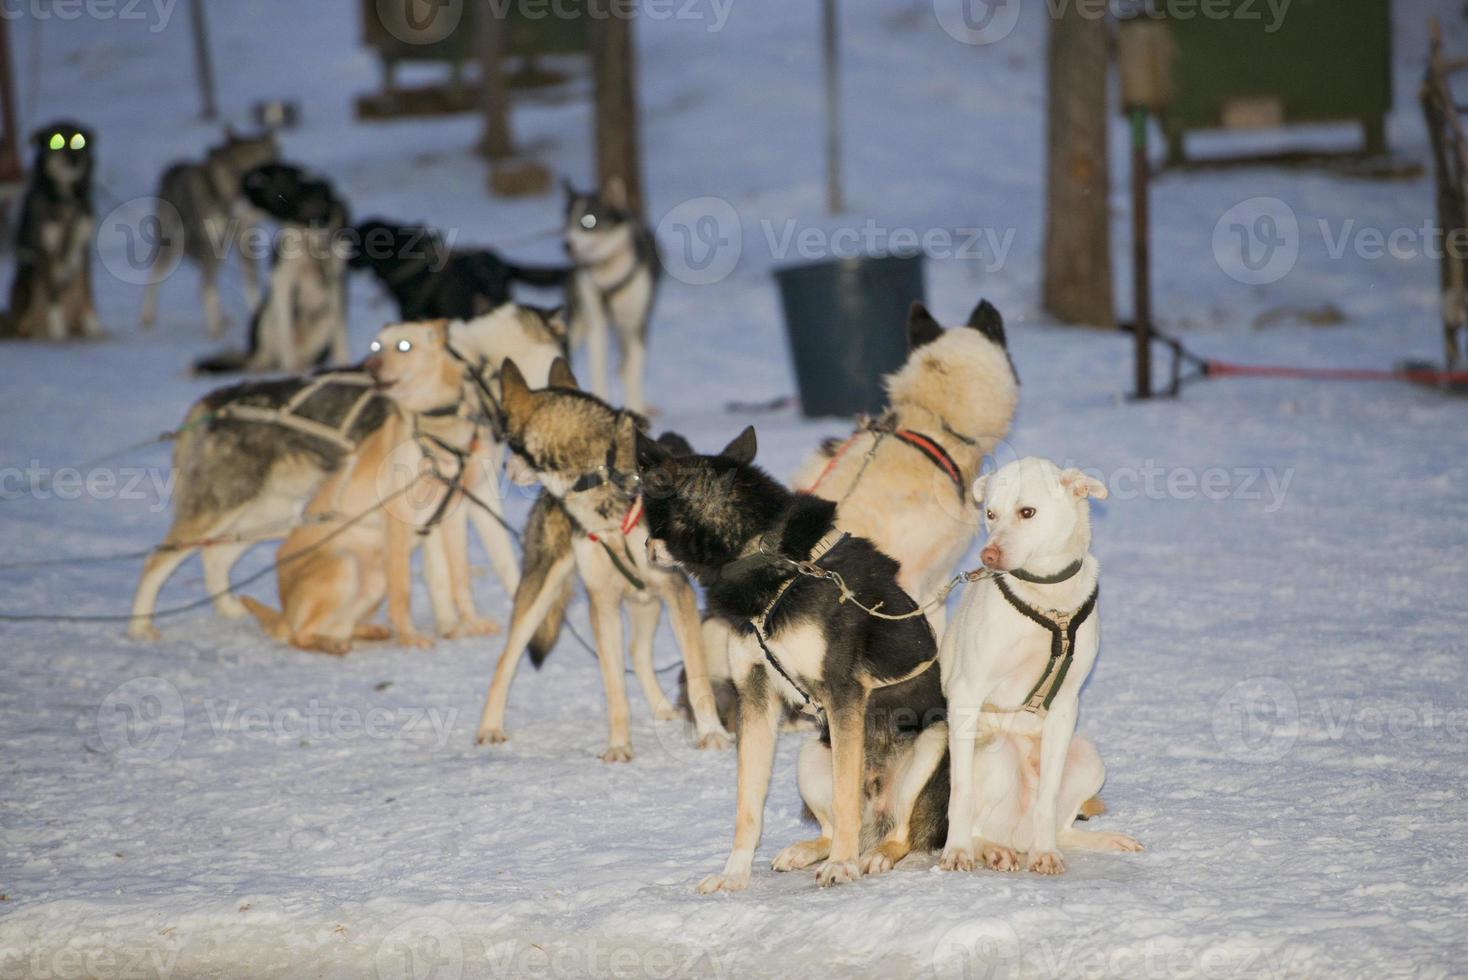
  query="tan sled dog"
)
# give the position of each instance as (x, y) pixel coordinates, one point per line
(404, 482)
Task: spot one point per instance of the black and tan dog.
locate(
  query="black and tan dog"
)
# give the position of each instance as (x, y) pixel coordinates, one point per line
(582, 451)
(875, 779)
(51, 296)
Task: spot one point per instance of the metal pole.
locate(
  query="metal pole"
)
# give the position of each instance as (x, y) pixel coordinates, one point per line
(1141, 257)
(202, 61)
(834, 198)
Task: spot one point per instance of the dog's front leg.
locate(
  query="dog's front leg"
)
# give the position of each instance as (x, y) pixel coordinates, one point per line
(759, 717)
(689, 633)
(399, 582)
(848, 760)
(1060, 726)
(533, 599)
(454, 532)
(963, 724)
(606, 622)
(440, 590)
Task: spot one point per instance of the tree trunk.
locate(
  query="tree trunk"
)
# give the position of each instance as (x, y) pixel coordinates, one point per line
(1077, 275)
(614, 68)
(498, 142)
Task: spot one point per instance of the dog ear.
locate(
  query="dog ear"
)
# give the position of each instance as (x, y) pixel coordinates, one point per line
(921, 327)
(650, 452)
(561, 376)
(744, 447)
(981, 486)
(555, 321)
(568, 187)
(614, 192)
(515, 394)
(987, 321)
(1081, 485)
(624, 442)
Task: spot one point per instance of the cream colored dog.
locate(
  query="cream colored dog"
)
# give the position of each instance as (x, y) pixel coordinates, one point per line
(1013, 662)
(404, 482)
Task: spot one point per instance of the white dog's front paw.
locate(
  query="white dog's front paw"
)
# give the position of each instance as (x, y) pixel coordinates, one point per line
(617, 753)
(834, 872)
(1047, 863)
(723, 883)
(999, 858)
(956, 859)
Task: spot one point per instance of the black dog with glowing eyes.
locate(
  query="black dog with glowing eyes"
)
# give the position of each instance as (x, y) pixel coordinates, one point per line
(51, 295)
(877, 778)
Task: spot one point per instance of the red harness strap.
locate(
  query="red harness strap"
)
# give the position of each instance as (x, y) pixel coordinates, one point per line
(835, 458)
(935, 452)
(631, 519)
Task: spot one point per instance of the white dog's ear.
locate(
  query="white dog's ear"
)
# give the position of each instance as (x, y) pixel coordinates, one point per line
(981, 485)
(1081, 485)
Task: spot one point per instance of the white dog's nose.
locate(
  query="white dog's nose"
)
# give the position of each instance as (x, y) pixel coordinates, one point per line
(992, 557)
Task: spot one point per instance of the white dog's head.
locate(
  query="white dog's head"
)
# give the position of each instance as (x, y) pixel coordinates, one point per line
(1036, 513)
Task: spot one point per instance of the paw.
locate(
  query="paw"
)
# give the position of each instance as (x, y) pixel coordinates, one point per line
(718, 741)
(883, 857)
(491, 736)
(666, 712)
(229, 607)
(412, 638)
(1117, 842)
(997, 858)
(617, 753)
(956, 859)
(1046, 863)
(373, 632)
(837, 873)
(722, 883)
(477, 626)
(802, 855)
(144, 631)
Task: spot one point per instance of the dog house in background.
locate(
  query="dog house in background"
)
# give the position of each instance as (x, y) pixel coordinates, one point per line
(1325, 61)
(444, 32)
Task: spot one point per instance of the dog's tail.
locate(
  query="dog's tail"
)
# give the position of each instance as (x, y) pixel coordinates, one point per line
(548, 532)
(272, 622)
(545, 276)
(225, 362)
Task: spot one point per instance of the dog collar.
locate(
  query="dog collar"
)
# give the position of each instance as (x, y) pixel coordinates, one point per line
(1064, 575)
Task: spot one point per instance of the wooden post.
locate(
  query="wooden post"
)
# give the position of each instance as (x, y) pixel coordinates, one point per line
(614, 68)
(11, 170)
(498, 141)
(1141, 256)
(1076, 284)
(835, 198)
(202, 61)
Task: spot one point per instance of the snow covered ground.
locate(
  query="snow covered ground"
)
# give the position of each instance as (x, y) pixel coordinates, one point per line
(1280, 697)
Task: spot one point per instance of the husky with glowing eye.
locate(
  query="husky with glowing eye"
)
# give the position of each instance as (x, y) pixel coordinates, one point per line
(51, 295)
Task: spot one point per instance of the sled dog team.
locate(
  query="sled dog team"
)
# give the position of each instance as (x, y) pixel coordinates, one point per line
(826, 598)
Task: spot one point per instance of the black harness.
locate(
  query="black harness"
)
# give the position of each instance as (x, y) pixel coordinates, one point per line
(1062, 627)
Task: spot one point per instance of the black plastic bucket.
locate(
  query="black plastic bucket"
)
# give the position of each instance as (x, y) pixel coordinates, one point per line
(847, 324)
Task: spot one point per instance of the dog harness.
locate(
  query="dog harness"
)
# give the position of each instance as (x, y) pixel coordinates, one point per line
(925, 444)
(287, 417)
(630, 520)
(760, 625)
(1062, 627)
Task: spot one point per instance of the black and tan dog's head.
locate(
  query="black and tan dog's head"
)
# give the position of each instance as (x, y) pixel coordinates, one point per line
(701, 511)
(65, 158)
(576, 445)
(411, 364)
(293, 195)
(597, 223)
(242, 152)
(391, 250)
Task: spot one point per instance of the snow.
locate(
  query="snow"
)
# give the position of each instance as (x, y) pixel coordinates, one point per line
(1279, 698)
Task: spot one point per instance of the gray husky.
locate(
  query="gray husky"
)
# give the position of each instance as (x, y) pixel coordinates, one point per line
(202, 214)
(51, 295)
(614, 284)
(249, 456)
(582, 451)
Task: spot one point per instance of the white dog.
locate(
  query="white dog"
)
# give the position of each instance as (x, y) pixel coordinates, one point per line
(1013, 664)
